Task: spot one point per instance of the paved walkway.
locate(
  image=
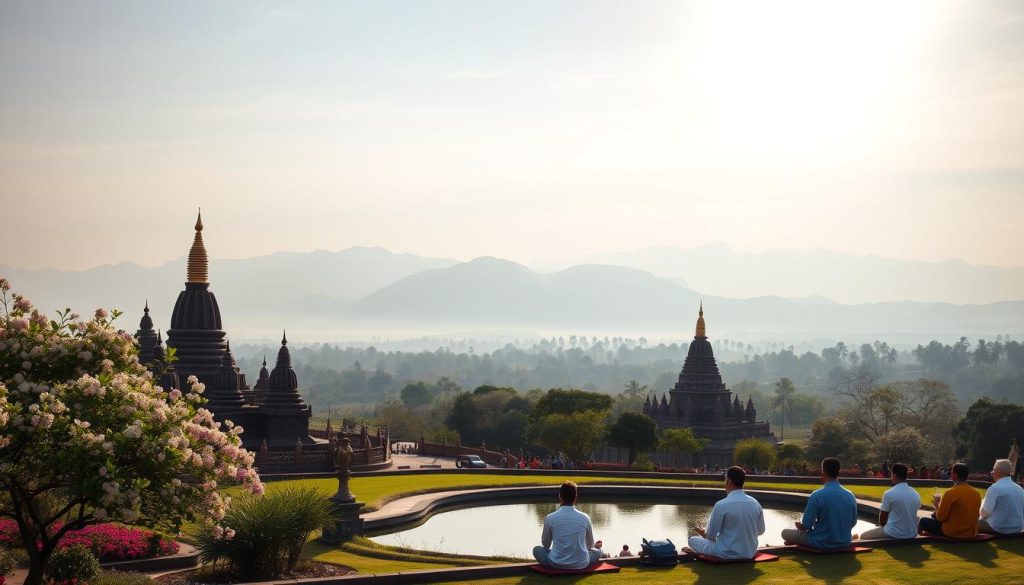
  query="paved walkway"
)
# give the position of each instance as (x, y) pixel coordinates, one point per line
(418, 461)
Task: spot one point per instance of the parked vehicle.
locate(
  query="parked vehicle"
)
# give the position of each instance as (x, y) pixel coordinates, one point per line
(469, 461)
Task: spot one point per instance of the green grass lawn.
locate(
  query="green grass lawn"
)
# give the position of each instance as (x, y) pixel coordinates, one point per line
(999, 561)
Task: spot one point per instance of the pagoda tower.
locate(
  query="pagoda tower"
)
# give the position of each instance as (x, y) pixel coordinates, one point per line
(196, 334)
(146, 336)
(286, 415)
(262, 383)
(701, 401)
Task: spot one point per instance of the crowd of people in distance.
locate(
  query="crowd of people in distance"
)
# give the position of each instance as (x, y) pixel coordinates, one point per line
(567, 539)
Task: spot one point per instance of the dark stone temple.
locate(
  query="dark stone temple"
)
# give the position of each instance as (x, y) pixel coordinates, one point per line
(700, 401)
(273, 413)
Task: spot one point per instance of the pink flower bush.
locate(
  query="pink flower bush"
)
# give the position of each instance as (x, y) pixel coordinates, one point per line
(108, 542)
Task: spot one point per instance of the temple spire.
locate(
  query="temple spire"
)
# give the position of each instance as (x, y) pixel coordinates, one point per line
(198, 263)
(700, 322)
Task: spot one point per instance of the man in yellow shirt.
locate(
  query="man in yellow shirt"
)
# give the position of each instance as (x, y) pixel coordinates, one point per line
(956, 513)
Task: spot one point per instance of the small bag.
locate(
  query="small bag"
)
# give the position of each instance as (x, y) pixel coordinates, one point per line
(658, 552)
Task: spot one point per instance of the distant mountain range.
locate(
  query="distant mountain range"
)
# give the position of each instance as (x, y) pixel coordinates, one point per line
(361, 293)
(718, 269)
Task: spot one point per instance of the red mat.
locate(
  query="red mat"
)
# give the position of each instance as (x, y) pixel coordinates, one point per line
(980, 537)
(599, 568)
(758, 558)
(832, 551)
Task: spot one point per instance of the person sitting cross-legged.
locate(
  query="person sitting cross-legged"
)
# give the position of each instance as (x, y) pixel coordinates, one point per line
(567, 541)
(956, 512)
(736, 522)
(1002, 510)
(900, 503)
(830, 515)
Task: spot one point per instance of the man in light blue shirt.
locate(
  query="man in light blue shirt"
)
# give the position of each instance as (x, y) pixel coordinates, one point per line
(830, 515)
(736, 522)
(567, 541)
(1002, 510)
(900, 503)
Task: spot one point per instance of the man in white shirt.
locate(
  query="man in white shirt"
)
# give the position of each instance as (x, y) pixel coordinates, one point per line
(1002, 510)
(567, 541)
(900, 503)
(736, 522)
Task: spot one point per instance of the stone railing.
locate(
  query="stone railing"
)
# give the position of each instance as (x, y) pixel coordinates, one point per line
(369, 451)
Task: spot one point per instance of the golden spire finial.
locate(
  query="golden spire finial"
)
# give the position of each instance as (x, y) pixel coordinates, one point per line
(700, 322)
(198, 264)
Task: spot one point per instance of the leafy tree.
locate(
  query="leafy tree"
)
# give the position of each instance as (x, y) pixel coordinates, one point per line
(402, 422)
(681, 441)
(414, 395)
(464, 418)
(631, 399)
(443, 435)
(577, 434)
(558, 401)
(987, 430)
(789, 455)
(635, 432)
(830, 437)
(784, 390)
(905, 445)
(85, 437)
(510, 431)
(754, 453)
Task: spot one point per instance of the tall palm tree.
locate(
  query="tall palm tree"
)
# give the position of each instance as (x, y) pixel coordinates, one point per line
(784, 388)
(635, 389)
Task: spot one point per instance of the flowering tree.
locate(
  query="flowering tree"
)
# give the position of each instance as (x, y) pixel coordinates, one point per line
(85, 436)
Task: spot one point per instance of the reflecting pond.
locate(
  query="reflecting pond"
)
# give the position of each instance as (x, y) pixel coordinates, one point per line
(513, 529)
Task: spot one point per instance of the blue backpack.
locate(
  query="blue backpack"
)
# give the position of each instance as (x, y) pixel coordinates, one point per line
(658, 552)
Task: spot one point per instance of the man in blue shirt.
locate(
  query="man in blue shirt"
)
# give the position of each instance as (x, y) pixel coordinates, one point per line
(830, 515)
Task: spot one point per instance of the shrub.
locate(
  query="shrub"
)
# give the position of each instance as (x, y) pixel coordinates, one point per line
(7, 563)
(108, 542)
(642, 463)
(119, 578)
(262, 537)
(905, 445)
(74, 564)
(754, 453)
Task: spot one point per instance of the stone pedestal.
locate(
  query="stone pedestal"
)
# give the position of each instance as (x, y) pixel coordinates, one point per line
(347, 522)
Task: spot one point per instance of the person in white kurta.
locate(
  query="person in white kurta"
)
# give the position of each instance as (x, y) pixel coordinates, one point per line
(736, 522)
(1002, 510)
(567, 540)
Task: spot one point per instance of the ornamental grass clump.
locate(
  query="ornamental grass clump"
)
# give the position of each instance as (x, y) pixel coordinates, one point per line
(262, 537)
(87, 437)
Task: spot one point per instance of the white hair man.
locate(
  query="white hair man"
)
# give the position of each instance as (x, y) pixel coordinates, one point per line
(1002, 510)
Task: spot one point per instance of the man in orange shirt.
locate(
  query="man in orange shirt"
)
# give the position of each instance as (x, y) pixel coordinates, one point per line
(956, 513)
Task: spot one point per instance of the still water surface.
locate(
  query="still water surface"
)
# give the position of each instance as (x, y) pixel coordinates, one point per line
(513, 529)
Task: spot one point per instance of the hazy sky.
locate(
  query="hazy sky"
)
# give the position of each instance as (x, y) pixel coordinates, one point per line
(527, 130)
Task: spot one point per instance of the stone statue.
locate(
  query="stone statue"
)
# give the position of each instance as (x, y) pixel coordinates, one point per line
(341, 454)
(344, 507)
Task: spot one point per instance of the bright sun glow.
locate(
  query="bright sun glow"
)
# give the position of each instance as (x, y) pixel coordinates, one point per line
(798, 83)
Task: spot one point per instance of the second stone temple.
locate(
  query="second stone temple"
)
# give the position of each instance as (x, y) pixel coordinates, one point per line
(700, 401)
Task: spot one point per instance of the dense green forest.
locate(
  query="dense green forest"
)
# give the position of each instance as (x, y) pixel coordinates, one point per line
(330, 375)
(866, 404)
